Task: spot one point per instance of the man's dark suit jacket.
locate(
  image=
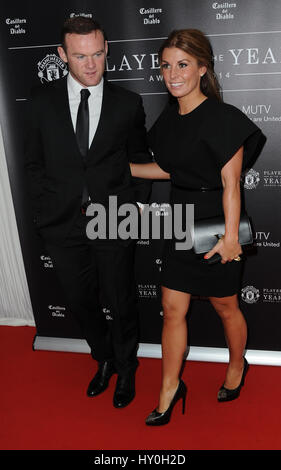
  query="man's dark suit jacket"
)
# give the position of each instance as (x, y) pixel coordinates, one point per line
(55, 167)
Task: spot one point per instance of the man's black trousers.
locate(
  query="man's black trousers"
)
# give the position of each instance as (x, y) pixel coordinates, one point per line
(98, 279)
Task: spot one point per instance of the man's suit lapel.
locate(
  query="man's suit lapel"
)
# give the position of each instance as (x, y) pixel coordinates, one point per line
(61, 103)
(104, 125)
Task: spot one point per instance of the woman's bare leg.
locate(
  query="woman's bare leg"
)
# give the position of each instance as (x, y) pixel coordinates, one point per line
(235, 329)
(174, 342)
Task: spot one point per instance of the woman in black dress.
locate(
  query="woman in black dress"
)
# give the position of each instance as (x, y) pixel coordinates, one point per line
(202, 145)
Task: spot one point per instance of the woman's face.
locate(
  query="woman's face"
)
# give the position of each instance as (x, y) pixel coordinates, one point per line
(181, 73)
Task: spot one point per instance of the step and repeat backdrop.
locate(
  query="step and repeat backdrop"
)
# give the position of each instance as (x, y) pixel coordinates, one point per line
(246, 39)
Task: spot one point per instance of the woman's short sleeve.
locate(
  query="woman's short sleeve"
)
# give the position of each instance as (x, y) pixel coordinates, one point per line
(232, 130)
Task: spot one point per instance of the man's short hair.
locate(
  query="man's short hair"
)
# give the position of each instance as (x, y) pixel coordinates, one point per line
(79, 25)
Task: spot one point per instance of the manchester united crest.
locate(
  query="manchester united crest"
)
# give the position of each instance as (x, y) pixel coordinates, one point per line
(51, 68)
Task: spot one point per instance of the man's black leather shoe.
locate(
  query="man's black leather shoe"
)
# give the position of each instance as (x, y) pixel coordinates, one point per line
(125, 390)
(101, 380)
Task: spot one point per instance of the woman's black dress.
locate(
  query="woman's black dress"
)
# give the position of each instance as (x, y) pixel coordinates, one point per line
(193, 148)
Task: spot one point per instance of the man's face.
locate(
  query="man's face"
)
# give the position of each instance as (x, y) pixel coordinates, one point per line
(85, 55)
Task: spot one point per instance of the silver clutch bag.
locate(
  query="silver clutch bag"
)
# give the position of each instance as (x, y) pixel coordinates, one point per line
(207, 232)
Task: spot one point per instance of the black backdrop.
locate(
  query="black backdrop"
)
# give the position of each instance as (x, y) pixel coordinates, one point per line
(246, 38)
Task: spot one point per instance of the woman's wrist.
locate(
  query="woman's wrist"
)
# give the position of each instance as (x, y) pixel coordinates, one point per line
(231, 238)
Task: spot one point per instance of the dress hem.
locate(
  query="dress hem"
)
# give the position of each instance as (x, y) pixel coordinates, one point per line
(191, 292)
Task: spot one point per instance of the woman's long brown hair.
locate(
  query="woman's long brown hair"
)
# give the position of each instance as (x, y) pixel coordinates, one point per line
(196, 44)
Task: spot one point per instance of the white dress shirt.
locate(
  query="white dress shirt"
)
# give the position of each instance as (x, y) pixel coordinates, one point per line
(94, 102)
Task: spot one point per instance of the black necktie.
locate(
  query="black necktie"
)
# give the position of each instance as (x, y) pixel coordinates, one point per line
(82, 123)
(82, 131)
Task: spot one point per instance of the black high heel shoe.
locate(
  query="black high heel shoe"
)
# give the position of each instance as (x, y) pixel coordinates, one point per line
(226, 394)
(158, 419)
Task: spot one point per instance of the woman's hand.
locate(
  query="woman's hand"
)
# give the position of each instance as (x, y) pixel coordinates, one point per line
(228, 248)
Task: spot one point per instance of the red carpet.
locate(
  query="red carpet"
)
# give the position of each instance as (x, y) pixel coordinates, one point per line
(44, 405)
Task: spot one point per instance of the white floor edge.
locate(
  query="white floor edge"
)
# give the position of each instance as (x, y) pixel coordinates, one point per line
(196, 353)
(16, 322)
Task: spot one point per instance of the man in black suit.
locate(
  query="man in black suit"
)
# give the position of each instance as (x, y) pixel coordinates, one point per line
(83, 133)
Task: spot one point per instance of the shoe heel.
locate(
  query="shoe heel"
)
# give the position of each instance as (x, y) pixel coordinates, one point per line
(184, 393)
(183, 403)
(246, 367)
